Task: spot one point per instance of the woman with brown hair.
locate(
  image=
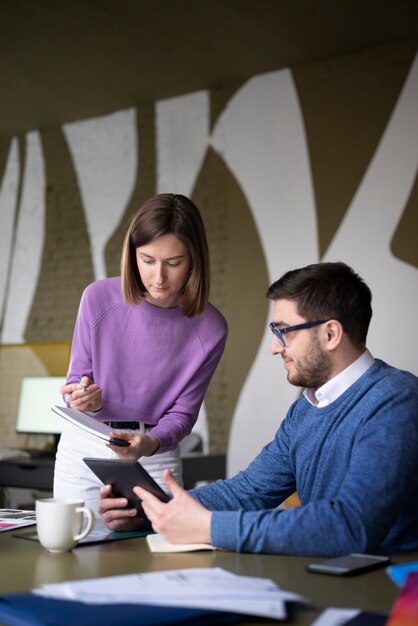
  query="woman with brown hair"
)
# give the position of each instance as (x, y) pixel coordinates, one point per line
(144, 349)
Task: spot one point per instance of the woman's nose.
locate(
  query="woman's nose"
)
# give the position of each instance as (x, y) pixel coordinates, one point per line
(160, 273)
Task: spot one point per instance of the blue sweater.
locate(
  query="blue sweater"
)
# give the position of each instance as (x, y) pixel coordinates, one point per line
(354, 464)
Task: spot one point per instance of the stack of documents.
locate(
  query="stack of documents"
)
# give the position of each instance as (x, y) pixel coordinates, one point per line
(203, 588)
(12, 519)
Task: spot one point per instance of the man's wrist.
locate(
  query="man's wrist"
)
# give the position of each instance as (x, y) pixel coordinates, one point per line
(208, 527)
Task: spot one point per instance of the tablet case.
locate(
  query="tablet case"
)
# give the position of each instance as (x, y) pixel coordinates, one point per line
(124, 476)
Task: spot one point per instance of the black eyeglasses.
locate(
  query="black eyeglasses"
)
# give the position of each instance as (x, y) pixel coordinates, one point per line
(279, 332)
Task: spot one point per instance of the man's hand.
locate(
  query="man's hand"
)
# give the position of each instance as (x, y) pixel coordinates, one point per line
(182, 520)
(115, 512)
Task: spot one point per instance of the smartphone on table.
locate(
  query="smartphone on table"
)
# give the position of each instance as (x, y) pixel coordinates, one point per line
(349, 564)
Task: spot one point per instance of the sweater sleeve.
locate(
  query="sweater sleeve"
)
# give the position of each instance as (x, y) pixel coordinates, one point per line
(267, 481)
(377, 489)
(81, 356)
(179, 420)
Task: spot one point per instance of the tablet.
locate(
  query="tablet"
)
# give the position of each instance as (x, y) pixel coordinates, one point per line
(124, 476)
(99, 534)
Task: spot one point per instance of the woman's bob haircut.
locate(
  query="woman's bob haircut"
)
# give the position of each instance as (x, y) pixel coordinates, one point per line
(165, 214)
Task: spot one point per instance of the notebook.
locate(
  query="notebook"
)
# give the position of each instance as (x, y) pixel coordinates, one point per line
(157, 543)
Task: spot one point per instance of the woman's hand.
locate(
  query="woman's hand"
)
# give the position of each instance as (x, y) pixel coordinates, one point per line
(83, 396)
(115, 512)
(140, 445)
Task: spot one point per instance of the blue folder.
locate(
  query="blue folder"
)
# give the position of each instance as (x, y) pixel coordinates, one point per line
(399, 573)
(368, 619)
(29, 609)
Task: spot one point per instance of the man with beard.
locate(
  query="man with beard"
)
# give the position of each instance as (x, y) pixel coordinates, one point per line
(348, 445)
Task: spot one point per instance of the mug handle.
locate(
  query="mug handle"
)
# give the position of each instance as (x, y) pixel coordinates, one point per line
(90, 522)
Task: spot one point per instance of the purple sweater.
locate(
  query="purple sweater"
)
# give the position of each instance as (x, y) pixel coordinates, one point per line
(153, 364)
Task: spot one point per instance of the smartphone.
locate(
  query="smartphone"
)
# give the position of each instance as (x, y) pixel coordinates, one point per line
(118, 442)
(349, 564)
(124, 476)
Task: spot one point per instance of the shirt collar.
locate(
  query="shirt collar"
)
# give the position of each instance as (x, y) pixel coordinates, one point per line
(335, 387)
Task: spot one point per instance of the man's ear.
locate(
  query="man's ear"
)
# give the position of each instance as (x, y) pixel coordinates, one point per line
(334, 333)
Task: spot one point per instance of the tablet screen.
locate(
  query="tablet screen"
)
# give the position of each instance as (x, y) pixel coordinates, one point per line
(124, 476)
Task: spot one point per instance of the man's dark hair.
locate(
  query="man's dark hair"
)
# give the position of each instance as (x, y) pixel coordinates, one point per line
(325, 291)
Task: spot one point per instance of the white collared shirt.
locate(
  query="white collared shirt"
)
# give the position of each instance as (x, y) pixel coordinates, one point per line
(335, 387)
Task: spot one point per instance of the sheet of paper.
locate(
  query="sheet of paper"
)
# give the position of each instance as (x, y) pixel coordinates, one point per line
(206, 588)
(335, 617)
(158, 543)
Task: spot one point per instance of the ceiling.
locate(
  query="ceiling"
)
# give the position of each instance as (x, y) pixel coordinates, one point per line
(62, 60)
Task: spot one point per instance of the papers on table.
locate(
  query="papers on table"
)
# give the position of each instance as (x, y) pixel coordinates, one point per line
(13, 453)
(158, 543)
(204, 588)
(12, 519)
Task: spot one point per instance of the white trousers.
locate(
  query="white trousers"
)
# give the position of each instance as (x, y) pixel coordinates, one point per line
(73, 479)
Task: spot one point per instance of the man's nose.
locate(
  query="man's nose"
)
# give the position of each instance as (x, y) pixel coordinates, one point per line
(276, 346)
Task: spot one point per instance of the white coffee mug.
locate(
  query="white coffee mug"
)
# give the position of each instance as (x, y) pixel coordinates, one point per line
(59, 523)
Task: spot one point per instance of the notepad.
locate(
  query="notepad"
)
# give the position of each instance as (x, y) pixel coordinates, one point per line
(157, 543)
(88, 423)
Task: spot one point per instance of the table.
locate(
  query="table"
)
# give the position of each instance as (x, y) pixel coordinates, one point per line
(38, 472)
(28, 565)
